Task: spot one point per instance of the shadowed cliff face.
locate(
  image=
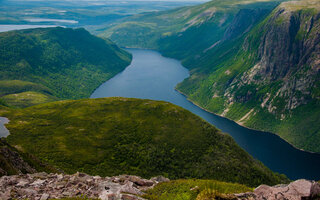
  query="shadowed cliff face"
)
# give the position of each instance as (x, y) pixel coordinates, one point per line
(287, 47)
(288, 52)
(243, 22)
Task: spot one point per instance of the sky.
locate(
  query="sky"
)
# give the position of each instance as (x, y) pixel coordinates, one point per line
(110, 0)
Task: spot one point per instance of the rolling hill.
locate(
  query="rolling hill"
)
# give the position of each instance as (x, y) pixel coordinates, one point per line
(46, 64)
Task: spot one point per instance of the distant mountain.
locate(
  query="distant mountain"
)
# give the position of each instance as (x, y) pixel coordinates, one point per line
(46, 64)
(250, 61)
(112, 136)
(186, 32)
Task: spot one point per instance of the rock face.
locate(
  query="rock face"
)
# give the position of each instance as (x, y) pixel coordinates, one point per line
(42, 186)
(288, 53)
(297, 190)
(11, 162)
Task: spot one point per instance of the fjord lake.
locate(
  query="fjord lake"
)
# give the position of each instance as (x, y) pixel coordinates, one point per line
(152, 76)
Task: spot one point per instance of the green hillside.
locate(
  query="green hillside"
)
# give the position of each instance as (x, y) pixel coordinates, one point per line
(55, 63)
(270, 79)
(112, 136)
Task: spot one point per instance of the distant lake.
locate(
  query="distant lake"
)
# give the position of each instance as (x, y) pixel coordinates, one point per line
(51, 20)
(152, 76)
(4, 28)
(4, 132)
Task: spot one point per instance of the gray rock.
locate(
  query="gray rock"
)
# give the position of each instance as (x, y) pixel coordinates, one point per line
(141, 182)
(44, 197)
(129, 188)
(38, 182)
(160, 179)
(22, 183)
(297, 190)
(315, 190)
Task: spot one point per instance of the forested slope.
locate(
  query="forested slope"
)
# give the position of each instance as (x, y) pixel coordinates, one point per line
(45, 64)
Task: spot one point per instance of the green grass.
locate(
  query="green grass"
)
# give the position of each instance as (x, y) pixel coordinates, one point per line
(112, 136)
(193, 189)
(26, 99)
(17, 93)
(18, 86)
(76, 198)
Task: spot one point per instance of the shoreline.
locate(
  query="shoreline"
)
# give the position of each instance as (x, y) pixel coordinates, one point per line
(107, 79)
(194, 103)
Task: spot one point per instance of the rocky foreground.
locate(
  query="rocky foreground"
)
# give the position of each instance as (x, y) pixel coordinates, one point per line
(43, 186)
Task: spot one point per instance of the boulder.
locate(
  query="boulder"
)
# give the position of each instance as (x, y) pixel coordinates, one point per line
(140, 181)
(159, 179)
(297, 190)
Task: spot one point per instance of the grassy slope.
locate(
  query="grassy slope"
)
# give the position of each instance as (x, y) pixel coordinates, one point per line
(65, 63)
(114, 136)
(194, 189)
(17, 93)
(26, 99)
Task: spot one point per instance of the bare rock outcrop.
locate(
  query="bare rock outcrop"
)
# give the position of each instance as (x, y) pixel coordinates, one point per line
(297, 190)
(43, 186)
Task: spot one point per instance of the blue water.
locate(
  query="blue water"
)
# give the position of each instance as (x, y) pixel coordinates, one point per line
(152, 76)
(10, 27)
(4, 132)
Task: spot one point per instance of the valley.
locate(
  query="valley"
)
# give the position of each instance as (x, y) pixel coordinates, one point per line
(152, 76)
(258, 67)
